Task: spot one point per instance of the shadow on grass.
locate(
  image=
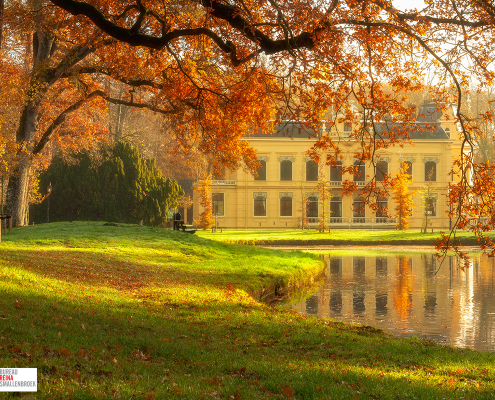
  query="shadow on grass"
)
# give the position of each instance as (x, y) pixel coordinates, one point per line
(228, 348)
(143, 267)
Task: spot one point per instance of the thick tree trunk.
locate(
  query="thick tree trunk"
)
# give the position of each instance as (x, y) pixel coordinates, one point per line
(20, 195)
(2, 7)
(20, 200)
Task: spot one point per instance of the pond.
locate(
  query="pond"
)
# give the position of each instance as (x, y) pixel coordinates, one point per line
(411, 295)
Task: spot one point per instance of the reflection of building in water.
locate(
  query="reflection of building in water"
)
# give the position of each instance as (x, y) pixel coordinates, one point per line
(381, 296)
(428, 297)
(358, 294)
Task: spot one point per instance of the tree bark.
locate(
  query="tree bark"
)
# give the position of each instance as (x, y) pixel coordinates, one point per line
(43, 76)
(28, 126)
(2, 7)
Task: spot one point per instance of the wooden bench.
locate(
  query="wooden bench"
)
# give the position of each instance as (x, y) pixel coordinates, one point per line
(184, 228)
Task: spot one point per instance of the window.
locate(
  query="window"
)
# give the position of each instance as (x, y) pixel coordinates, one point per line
(312, 205)
(336, 172)
(286, 204)
(359, 210)
(259, 204)
(430, 169)
(408, 162)
(218, 204)
(285, 168)
(347, 129)
(431, 205)
(381, 266)
(381, 208)
(261, 171)
(381, 168)
(359, 267)
(335, 265)
(447, 131)
(311, 170)
(335, 207)
(359, 171)
(219, 175)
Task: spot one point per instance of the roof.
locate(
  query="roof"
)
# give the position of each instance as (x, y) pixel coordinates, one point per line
(429, 112)
(291, 129)
(418, 130)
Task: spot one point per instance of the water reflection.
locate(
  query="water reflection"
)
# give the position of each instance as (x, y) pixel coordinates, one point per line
(411, 296)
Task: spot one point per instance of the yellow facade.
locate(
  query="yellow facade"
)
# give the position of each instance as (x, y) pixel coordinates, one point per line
(241, 201)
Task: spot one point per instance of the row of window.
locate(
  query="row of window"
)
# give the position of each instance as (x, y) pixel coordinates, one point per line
(312, 201)
(336, 170)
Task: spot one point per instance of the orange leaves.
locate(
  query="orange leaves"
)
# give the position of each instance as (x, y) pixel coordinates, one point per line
(18, 305)
(65, 352)
(203, 187)
(288, 392)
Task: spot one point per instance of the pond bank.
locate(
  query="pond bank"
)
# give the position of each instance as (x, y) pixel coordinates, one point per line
(356, 242)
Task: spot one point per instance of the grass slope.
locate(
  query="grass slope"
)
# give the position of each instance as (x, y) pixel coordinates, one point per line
(143, 313)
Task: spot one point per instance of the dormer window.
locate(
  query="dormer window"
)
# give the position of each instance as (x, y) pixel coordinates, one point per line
(347, 129)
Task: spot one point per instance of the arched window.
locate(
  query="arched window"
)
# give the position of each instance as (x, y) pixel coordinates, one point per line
(347, 129)
(382, 208)
(447, 131)
(336, 172)
(259, 204)
(285, 168)
(261, 171)
(409, 163)
(335, 206)
(360, 174)
(430, 169)
(381, 168)
(359, 208)
(312, 205)
(311, 170)
(286, 204)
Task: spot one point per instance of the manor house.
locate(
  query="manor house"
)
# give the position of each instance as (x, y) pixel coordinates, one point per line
(274, 199)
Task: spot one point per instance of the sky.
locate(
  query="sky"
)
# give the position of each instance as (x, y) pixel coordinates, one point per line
(408, 4)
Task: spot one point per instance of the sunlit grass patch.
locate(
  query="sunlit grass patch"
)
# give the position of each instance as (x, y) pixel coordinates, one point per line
(338, 236)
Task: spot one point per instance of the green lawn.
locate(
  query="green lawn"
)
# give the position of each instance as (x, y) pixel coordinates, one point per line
(144, 313)
(336, 236)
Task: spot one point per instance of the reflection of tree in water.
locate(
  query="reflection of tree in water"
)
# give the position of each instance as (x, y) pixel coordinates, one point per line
(402, 293)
